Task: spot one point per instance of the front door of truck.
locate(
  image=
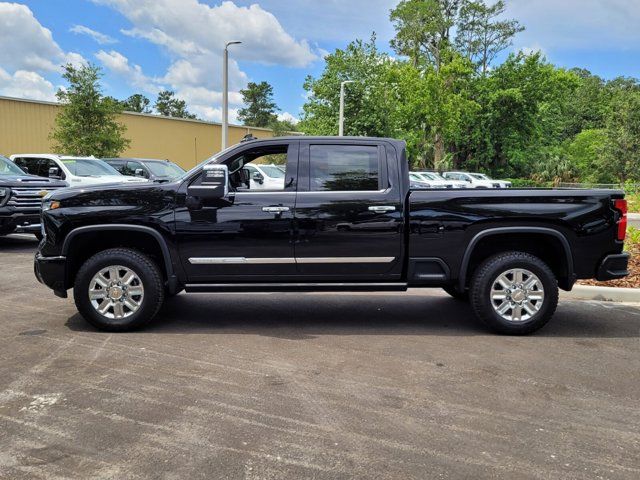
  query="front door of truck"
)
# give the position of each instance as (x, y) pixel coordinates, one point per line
(249, 236)
(349, 211)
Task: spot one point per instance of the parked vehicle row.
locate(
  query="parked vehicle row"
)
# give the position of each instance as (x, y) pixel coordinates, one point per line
(21, 198)
(26, 178)
(457, 180)
(344, 217)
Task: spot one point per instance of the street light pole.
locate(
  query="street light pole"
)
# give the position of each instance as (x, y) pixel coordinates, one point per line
(225, 93)
(341, 121)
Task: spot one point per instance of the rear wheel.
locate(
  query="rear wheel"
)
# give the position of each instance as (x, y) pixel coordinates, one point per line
(118, 289)
(514, 293)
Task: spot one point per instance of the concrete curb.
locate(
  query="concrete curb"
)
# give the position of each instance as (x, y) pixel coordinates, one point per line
(606, 294)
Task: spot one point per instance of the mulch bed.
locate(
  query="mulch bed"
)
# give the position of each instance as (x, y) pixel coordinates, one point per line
(631, 281)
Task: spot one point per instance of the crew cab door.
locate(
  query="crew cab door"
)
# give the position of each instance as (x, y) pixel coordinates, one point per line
(349, 211)
(248, 235)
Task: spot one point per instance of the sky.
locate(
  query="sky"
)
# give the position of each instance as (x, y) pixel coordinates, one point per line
(144, 46)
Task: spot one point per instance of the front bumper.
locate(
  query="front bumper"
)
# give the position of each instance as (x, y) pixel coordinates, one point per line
(51, 271)
(613, 267)
(20, 223)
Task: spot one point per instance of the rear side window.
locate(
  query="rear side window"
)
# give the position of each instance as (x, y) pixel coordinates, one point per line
(343, 168)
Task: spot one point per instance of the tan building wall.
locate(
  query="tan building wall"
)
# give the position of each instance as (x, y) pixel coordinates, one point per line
(25, 126)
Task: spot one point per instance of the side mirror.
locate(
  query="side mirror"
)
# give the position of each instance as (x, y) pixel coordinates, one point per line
(139, 172)
(213, 184)
(258, 177)
(54, 172)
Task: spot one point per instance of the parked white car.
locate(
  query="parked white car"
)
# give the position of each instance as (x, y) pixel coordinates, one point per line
(482, 176)
(265, 177)
(473, 180)
(76, 171)
(439, 182)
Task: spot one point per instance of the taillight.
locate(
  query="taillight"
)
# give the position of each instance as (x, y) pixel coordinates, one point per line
(621, 206)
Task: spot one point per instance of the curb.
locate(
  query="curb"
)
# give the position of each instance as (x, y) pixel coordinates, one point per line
(606, 294)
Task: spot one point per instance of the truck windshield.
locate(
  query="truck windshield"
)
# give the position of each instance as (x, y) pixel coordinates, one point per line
(7, 167)
(89, 167)
(164, 169)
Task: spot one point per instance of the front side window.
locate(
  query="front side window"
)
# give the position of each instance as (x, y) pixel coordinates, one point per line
(343, 168)
(133, 166)
(31, 165)
(260, 169)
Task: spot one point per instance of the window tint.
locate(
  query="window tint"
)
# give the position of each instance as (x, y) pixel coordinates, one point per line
(119, 166)
(343, 167)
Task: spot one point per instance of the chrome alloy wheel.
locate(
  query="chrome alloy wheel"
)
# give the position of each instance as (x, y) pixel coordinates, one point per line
(517, 295)
(116, 292)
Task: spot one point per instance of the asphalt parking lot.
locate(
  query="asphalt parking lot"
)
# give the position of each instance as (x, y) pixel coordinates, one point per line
(312, 386)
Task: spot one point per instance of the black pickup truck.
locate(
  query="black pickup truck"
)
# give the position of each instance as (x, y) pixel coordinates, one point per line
(344, 218)
(21, 198)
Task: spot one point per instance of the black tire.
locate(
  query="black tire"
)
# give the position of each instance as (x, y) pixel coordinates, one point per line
(487, 274)
(146, 270)
(457, 294)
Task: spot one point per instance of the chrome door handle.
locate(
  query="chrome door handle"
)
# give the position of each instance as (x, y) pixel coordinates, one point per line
(275, 209)
(382, 208)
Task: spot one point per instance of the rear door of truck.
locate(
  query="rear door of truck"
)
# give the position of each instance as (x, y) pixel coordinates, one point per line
(349, 210)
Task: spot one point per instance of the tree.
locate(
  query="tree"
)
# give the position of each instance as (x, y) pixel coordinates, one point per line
(622, 153)
(169, 106)
(137, 103)
(480, 35)
(368, 101)
(87, 124)
(423, 30)
(260, 109)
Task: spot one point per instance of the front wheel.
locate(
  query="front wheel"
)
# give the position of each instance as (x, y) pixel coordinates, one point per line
(514, 293)
(118, 289)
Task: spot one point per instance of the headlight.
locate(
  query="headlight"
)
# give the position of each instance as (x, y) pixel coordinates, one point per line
(4, 192)
(50, 205)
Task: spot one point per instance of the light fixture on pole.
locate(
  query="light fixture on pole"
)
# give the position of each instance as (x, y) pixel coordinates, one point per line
(341, 120)
(225, 93)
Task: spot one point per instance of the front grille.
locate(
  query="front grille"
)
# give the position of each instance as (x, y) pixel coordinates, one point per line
(28, 198)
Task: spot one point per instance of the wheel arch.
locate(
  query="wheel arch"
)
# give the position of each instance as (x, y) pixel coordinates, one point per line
(565, 272)
(76, 235)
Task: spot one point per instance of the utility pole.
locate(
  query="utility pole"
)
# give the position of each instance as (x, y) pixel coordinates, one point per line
(225, 93)
(341, 121)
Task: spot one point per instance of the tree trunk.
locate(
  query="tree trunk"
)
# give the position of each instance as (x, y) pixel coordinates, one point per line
(438, 152)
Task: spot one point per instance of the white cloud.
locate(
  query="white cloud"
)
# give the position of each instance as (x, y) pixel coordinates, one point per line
(119, 64)
(286, 116)
(577, 24)
(193, 34)
(99, 37)
(26, 44)
(23, 84)
(184, 25)
(28, 51)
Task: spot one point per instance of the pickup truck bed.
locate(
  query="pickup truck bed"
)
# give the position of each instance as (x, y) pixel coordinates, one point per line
(345, 219)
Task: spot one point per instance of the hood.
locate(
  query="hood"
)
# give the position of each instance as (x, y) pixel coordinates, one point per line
(109, 193)
(106, 179)
(30, 181)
